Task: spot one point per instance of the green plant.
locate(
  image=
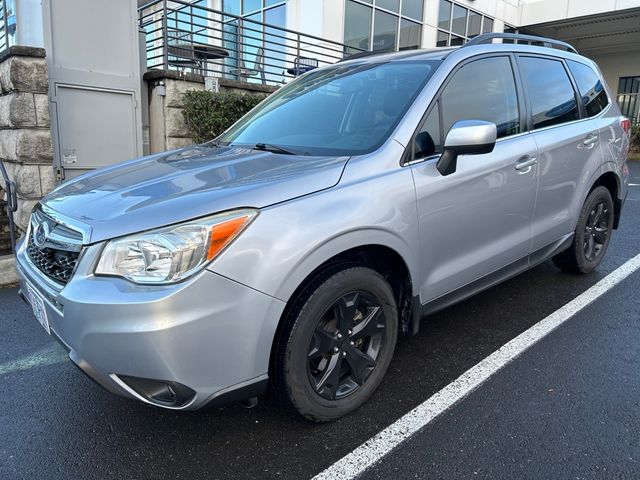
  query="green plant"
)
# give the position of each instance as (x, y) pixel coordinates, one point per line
(208, 114)
(635, 138)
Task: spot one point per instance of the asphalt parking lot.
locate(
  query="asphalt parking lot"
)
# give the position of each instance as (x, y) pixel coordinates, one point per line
(569, 407)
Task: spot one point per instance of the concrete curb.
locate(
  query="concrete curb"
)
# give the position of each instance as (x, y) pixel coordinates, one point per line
(8, 273)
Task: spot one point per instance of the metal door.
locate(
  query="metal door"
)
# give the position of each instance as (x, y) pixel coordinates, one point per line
(94, 83)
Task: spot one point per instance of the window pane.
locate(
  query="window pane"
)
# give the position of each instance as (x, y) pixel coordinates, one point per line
(444, 15)
(594, 96)
(385, 31)
(268, 3)
(231, 6)
(459, 22)
(357, 25)
(275, 55)
(393, 5)
(475, 20)
(483, 90)
(428, 140)
(443, 39)
(456, 41)
(410, 33)
(249, 6)
(412, 8)
(550, 92)
(487, 25)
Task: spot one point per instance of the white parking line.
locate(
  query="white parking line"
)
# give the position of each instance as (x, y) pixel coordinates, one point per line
(48, 355)
(374, 449)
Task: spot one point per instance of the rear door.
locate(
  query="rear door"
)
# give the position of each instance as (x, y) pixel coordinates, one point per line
(568, 146)
(478, 219)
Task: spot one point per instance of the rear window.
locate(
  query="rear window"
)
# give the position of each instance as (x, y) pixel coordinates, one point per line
(550, 91)
(594, 96)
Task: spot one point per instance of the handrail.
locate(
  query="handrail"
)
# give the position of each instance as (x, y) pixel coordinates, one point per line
(546, 42)
(12, 204)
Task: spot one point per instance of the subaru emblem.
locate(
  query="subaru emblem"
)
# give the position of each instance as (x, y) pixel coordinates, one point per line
(41, 234)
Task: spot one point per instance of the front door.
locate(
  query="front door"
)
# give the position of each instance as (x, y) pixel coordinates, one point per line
(477, 220)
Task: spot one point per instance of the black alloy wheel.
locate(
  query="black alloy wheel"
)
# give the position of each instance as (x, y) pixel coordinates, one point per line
(591, 236)
(345, 345)
(336, 342)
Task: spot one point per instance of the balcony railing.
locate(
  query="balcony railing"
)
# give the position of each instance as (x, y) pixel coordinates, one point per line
(196, 39)
(7, 24)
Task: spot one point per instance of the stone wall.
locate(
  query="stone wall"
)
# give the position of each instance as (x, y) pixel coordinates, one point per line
(167, 130)
(25, 135)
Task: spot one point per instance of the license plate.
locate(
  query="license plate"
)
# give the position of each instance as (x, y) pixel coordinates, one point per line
(37, 304)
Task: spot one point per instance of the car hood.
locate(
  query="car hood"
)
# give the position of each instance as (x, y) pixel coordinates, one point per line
(168, 188)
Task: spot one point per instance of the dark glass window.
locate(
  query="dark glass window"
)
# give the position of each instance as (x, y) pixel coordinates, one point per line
(412, 9)
(410, 33)
(443, 39)
(429, 139)
(357, 25)
(550, 92)
(482, 90)
(594, 96)
(444, 15)
(385, 31)
(487, 25)
(459, 22)
(393, 5)
(475, 21)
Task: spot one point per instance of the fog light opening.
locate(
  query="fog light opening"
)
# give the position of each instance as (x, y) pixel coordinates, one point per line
(160, 392)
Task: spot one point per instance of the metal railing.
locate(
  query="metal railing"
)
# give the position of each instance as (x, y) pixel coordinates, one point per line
(196, 39)
(11, 203)
(5, 28)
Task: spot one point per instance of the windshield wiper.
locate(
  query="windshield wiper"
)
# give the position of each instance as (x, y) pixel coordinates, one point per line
(268, 147)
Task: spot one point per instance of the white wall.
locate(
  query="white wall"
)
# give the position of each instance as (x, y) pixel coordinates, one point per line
(549, 10)
(616, 65)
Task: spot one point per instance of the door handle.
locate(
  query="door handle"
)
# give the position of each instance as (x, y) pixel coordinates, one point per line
(525, 164)
(590, 141)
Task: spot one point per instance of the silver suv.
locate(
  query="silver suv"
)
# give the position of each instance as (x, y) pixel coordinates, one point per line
(294, 248)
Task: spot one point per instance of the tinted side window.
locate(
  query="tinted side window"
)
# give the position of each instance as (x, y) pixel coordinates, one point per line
(428, 140)
(594, 96)
(482, 90)
(551, 94)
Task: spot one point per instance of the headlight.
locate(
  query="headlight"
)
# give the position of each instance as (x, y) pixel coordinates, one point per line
(173, 253)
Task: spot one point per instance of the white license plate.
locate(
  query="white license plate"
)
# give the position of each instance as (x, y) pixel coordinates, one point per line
(37, 304)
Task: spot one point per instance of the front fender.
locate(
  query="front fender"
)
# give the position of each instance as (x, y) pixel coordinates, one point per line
(287, 242)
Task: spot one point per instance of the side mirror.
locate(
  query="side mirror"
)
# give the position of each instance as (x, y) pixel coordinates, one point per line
(466, 137)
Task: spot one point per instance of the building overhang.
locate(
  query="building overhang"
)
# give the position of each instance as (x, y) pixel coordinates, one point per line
(594, 34)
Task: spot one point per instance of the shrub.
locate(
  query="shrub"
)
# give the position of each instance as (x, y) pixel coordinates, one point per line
(208, 114)
(635, 138)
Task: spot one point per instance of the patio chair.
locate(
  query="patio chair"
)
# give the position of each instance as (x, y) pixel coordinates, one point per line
(258, 67)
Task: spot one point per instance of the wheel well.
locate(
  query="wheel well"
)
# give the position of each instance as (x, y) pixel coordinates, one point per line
(609, 180)
(384, 260)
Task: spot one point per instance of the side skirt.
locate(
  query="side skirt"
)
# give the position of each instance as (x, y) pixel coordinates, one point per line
(496, 277)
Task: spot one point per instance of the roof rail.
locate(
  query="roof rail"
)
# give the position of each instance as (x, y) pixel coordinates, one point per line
(546, 42)
(366, 53)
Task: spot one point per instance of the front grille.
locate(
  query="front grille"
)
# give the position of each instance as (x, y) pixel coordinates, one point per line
(57, 249)
(56, 264)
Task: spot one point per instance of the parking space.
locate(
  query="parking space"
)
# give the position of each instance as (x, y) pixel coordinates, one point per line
(561, 403)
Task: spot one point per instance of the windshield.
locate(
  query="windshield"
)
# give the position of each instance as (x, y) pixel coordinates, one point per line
(342, 110)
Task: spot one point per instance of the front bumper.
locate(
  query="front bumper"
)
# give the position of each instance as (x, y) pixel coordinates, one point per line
(209, 333)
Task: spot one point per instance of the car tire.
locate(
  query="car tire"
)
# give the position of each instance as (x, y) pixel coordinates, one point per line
(336, 343)
(592, 234)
